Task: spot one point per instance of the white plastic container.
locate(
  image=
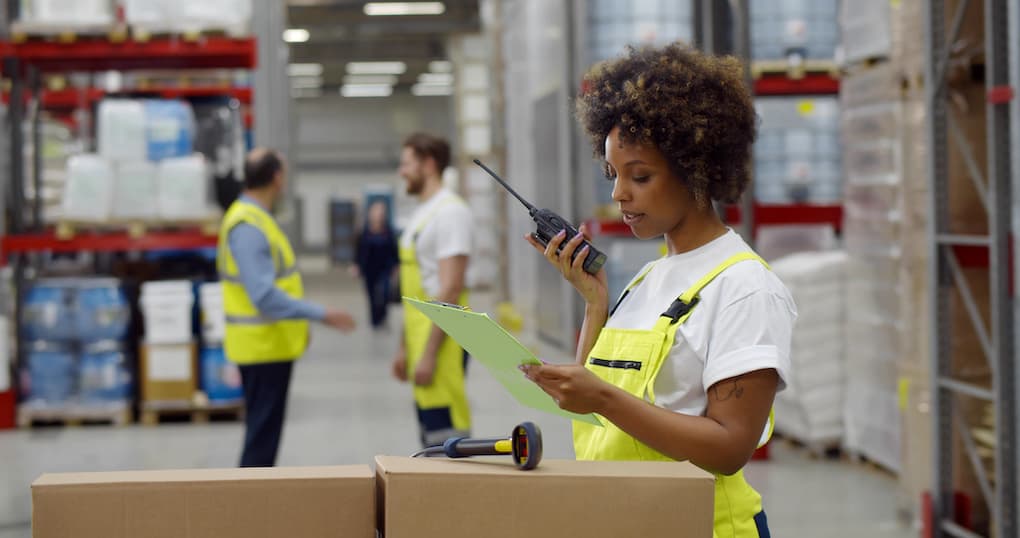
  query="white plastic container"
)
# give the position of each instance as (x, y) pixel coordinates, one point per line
(166, 308)
(75, 13)
(210, 299)
(149, 14)
(184, 188)
(88, 194)
(122, 130)
(195, 15)
(189, 15)
(136, 195)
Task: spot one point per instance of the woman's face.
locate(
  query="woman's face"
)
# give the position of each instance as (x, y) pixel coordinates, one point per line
(377, 215)
(651, 197)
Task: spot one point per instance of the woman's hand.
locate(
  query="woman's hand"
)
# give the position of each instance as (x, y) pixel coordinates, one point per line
(594, 289)
(571, 386)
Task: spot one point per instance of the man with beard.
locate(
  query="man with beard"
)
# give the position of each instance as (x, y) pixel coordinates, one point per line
(267, 318)
(434, 250)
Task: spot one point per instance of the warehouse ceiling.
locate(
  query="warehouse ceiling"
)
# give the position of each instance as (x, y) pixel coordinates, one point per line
(340, 31)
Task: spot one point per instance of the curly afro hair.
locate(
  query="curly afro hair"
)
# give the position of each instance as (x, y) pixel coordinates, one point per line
(696, 109)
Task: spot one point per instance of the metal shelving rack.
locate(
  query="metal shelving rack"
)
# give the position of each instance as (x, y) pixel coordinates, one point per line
(24, 63)
(946, 274)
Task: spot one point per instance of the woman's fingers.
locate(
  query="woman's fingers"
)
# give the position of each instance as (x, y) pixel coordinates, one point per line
(585, 230)
(567, 256)
(553, 246)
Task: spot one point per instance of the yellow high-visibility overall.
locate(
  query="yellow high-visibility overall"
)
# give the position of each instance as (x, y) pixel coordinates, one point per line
(631, 359)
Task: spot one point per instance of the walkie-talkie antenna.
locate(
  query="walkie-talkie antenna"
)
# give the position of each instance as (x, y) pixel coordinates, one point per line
(532, 209)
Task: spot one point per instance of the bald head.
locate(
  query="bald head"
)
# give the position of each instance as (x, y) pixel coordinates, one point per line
(261, 167)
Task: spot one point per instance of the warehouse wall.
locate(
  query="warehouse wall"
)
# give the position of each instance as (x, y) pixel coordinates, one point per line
(344, 144)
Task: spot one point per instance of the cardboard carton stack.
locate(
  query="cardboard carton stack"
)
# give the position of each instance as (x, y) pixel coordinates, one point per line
(887, 211)
(225, 503)
(406, 497)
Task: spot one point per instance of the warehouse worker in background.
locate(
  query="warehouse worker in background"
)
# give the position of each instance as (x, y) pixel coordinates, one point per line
(434, 250)
(267, 320)
(687, 363)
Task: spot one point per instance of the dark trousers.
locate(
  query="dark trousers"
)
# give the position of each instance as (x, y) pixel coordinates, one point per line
(265, 403)
(378, 290)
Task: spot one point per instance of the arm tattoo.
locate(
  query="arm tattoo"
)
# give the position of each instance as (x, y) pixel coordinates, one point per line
(731, 390)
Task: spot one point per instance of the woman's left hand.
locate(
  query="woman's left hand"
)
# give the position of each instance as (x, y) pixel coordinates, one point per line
(571, 386)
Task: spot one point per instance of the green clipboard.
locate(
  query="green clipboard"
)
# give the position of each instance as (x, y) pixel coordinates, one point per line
(498, 350)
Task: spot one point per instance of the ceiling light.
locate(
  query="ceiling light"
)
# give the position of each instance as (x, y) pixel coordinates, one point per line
(376, 68)
(366, 90)
(304, 70)
(440, 66)
(436, 78)
(370, 79)
(404, 8)
(296, 35)
(431, 89)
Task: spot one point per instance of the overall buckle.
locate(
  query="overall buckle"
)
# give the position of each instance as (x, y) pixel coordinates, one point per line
(679, 309)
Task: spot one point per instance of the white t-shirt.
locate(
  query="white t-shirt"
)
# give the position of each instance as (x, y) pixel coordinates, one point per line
(742, 322)
(447, 232)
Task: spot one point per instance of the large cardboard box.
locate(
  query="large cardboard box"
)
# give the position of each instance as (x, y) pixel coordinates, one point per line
(222, 503)
(438, 498)
(169, 372)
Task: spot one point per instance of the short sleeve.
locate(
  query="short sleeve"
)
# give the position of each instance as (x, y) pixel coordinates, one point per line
(752, 333)
(453, 227)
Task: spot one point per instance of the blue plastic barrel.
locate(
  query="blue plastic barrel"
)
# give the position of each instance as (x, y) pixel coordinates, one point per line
(221, 380)
(103, 312)
(103, 376)
(49, 311)
(51, 373)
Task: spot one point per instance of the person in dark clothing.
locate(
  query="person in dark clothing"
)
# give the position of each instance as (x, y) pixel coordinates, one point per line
(376, 260)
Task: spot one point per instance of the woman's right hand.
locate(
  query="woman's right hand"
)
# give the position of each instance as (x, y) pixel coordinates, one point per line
(594, 289)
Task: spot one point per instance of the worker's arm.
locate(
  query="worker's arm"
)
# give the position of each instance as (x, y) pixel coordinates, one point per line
(722, 441)
(452, 271)
(746, 351)
(594, 289)
(254, 260)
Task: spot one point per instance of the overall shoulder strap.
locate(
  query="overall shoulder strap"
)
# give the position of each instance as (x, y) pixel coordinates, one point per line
(684, 304)
(637, 280)
(449, 199)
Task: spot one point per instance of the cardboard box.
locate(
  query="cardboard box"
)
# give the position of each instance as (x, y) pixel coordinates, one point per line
(439, 498)
(220, 503)
(168, 372)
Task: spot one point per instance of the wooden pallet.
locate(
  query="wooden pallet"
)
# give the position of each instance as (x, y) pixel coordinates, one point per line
(868, 463)
(794, 71)
(73, 415)
(830, 450)
(154, 412)
(143, 33)
(24, 31)
(68, 229)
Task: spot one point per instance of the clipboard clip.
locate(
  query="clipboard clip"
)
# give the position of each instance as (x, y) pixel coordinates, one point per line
(451, 305)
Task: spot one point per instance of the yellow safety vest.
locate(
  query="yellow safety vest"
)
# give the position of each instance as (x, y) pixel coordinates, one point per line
(631, 359)
(447, 388)
(249, 337)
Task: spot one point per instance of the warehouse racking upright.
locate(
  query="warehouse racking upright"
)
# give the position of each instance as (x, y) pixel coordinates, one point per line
(25, 61)
(992, 250)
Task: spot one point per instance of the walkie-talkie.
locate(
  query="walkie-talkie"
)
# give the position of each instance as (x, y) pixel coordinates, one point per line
(550, 224)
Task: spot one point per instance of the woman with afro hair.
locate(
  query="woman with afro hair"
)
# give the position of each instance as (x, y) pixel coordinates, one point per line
(686, 363)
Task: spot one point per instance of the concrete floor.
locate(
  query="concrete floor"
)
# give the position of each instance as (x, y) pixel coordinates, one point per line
(344, 408)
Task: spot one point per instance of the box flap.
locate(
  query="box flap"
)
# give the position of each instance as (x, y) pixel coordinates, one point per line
(552, 468)
(203, 475)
